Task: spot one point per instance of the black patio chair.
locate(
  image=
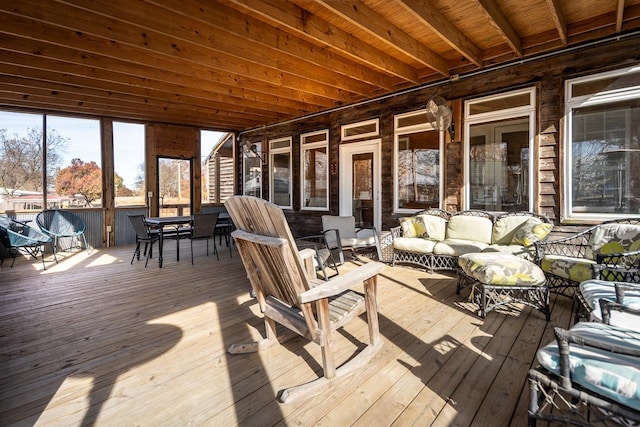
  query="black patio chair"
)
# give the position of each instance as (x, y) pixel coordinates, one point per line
(203, 227)
(143, 235)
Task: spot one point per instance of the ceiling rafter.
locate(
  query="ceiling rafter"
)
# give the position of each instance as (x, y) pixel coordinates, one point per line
(429, 15)
(359, 14)
(502, 24)
(619, 15)
(559, 19)
(296, 20)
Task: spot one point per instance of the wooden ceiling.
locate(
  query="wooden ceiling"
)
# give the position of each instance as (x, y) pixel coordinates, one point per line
(239, 64)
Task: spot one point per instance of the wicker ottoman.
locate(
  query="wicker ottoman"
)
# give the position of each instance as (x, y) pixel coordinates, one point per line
(496, 279)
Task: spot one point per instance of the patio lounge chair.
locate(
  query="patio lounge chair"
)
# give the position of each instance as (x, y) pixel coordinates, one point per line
(287, 295)
(342, 234)
(59, 223)
(18, 236)
(588, 376)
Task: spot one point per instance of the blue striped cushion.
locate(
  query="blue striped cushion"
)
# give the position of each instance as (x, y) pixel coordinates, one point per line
(608, 374)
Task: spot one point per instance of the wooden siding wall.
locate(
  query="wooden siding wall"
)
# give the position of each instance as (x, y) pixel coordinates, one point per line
(547, 75)
(181, 142)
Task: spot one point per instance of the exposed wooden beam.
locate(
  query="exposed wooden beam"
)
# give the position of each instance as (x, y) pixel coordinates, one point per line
(222, 18)
(364, 17)
(296, 20)
(502, 24)
(619, 15)
(428, 14)
(559, 19)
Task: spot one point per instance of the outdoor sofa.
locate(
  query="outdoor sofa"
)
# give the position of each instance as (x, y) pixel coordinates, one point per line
(435, 238)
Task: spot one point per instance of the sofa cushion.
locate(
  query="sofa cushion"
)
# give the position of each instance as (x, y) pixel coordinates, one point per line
(501, 269)
(575, 269)
(605, 373)
(411, 244)
(505, 227)
(517, 250)
(457, 247)
(613, 239)
(475, 228)
(593, 290)
(531, 231)
(412, 227)
(435, 227)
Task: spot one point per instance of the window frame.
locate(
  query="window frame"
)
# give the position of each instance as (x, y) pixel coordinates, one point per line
(344, 129)
(589, 100)
(523, 111)
(311, 146)
(398, 133)
(247, 153)
(272, 153)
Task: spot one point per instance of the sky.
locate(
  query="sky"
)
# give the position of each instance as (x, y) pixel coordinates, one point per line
(83, 137)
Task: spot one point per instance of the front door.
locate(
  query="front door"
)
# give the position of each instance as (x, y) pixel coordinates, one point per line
(360, 182)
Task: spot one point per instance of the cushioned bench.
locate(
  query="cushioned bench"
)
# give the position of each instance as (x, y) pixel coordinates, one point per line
(503, 279)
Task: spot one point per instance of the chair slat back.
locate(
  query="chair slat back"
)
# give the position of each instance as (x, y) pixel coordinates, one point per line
(267, 249)
(204, 224)
(140, 227)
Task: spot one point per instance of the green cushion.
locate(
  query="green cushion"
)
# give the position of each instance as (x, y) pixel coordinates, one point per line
(614, 239)
(505, 227)
(608, 374)
(501, 269)
(412, 227)
(575, 269)
(531, 231)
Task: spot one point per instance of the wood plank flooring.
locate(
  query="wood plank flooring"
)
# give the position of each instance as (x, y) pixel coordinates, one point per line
(94, 340)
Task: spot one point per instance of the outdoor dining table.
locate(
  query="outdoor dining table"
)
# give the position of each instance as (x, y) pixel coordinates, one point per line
(169, 225)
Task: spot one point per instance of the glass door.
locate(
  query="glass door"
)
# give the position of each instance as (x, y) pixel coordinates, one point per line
(359, 182)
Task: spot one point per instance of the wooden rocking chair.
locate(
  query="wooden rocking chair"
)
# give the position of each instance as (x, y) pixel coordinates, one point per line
(287, 294)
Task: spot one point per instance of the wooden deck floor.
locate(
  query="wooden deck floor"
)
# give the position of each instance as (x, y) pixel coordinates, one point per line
(94, 340)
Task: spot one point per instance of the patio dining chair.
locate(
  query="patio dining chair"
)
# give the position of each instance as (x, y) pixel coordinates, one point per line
(58, 224)
(286, 294)
(203, 227)
(143, 235)
(342, 234)
(19, 237)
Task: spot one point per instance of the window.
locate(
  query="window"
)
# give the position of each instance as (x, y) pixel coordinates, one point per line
(417, 147)
(78, 180)
(280, 177)
(21, 180)
(128, 161)
(174, 186)
(602, 145)
(252, 169)
(360, 130)
(498, 157)
(314, 158)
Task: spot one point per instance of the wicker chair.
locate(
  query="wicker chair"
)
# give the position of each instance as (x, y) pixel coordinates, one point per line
(59, 224)
(582, 256)
(18, 237)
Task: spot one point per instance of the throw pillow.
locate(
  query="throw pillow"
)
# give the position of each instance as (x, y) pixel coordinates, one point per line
(412, 227)
(530, 232)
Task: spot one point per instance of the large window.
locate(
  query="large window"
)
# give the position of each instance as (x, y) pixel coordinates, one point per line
(252, 169)
(314, 158)
(417, 163)
(603, 145)
(128, 161)
(498, 157)
(280, 176)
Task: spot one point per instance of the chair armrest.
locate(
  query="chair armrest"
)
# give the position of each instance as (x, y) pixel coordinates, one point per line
(622, 267)
(341, 283)
(337, 237)
(607, 306)
(396, 232)
(565, 338)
